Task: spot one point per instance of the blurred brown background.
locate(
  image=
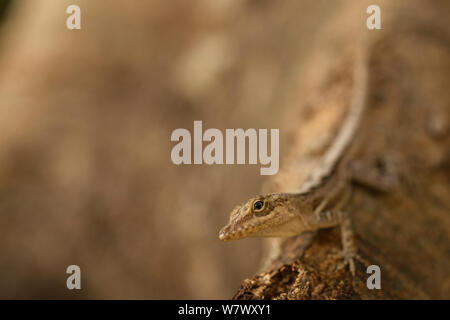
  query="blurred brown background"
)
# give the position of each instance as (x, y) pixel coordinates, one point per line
(85, 122)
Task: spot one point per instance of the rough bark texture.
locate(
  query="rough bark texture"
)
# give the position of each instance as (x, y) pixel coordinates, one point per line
(405, 231)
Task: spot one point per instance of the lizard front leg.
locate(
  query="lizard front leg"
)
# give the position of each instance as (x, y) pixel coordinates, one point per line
(330, 218)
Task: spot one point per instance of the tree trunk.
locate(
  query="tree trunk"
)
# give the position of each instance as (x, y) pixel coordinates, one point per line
(404, 231)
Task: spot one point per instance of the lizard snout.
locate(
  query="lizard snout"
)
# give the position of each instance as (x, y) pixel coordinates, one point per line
(227, 234)
(224, 234)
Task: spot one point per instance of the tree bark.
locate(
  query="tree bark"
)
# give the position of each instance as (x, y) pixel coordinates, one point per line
(405, 231)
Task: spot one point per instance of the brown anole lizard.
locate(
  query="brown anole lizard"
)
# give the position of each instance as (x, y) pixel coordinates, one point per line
(320, 200)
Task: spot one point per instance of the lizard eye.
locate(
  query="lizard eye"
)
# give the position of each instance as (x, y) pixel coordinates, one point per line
(259, 205)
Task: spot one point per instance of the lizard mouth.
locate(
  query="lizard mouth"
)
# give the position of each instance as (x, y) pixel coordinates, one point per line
(228, 235)
(225, 235)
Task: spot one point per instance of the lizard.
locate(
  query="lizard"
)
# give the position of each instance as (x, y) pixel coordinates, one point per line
(319, 202)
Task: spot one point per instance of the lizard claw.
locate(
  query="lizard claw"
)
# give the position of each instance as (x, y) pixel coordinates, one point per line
(349, 258)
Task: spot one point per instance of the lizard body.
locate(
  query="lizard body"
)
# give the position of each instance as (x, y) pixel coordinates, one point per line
(319, 201)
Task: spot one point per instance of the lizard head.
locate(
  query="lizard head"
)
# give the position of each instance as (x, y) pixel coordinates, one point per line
(261, 216)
